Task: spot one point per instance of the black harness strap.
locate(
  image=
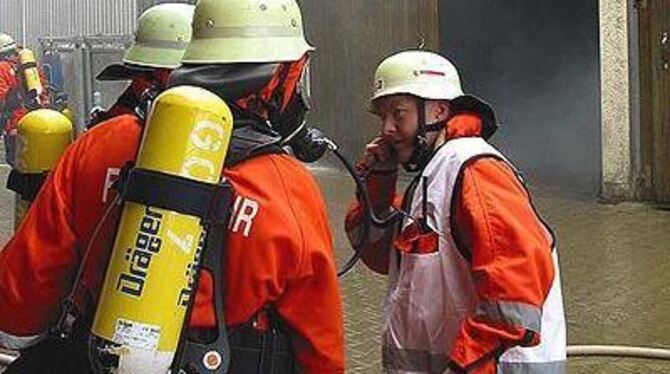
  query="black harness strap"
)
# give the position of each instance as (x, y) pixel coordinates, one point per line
(27, 185)
(166, 191)
(212, 356)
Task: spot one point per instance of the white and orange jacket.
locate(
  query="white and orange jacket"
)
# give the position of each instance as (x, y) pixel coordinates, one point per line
(473, 273)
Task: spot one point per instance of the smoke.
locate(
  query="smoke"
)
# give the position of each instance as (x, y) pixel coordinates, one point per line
(538, 64)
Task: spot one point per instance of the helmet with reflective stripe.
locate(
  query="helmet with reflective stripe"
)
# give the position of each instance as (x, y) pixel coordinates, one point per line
(7, 44)
(163, 32)
(246, 31)
(429, 76)
(419, 73)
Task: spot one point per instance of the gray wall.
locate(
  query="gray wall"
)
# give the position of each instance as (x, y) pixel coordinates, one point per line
(538, 63)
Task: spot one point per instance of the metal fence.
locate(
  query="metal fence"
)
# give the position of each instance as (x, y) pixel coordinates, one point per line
(86, 34)
(29, 20)
(81, 59)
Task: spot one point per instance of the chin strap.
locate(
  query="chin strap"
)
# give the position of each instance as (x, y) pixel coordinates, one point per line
(423, 151)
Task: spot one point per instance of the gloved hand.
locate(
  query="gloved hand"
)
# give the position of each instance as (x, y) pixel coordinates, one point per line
(379, 168)
(31, 101)
(97, 115)
(379, 155)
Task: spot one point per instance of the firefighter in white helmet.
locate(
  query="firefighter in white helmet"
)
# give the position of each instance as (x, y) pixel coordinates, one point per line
(162, 34)
(278, 247)
(474, 283)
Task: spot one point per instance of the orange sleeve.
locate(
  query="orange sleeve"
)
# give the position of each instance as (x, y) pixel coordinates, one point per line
(37, 263)
(496, 226)
(376, 249)
(6, 82)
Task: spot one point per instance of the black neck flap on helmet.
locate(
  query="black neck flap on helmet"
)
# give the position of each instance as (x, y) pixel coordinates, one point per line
(123, 72)
(228, 81)
(471, 103)
(245, 82)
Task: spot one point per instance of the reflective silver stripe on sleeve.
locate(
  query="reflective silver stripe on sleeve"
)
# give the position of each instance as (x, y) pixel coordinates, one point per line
(511, 313)
(551, 367)
(15, 342)
(413, 360)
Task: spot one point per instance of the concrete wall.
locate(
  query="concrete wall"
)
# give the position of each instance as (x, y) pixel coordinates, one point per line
(616, 100)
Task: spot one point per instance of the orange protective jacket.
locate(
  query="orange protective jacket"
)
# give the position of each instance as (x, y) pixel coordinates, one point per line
(491, 217)
(279, 247)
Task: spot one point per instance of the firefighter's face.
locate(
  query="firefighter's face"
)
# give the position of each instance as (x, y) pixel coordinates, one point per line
(399, 120)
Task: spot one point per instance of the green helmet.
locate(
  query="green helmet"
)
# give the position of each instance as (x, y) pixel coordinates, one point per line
(163, 32)
(246, 31)
(7, 44)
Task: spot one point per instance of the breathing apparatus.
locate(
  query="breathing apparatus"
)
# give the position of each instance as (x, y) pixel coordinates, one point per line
(32, 83)
(42, 137)
(160, 236)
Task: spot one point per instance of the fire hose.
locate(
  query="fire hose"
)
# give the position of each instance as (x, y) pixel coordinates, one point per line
(617, 351)
(621, 351)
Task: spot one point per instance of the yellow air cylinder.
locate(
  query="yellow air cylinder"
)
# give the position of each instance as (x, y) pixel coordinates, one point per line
(143, 301)
(31, 75)
(41, 138)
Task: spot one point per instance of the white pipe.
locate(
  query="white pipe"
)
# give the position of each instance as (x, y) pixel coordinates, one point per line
(573, 351)
(6, 359)
(619, 351)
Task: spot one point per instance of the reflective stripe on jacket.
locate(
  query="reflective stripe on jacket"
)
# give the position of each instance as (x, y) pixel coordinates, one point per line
(431, 294)
(473, 280)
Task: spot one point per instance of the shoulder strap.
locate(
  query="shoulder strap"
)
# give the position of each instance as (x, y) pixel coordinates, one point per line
(27, 185)
(211, 356)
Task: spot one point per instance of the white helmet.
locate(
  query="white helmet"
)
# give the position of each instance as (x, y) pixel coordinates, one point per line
(419, 73)
(429, 76)
(7, 43)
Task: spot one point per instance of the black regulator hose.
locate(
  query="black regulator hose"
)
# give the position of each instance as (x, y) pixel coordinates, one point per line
(369, 217)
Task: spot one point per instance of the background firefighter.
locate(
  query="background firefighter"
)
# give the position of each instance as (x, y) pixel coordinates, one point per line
(14, 99)
(279, 248)
(160, 40)
(474, 285)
